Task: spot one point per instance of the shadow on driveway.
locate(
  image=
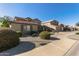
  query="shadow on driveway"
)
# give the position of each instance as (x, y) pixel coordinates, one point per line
(22, 47)
(53, 38)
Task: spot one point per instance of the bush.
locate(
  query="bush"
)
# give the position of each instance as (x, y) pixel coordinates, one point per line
(77, 33)
(30, 32)
(19, 33)
(34, 35)
(8, 39)
(33, 32)
(52, 33)
(45, 35)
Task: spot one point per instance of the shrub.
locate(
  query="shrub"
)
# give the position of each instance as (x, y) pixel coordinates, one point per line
(77, 33)
(33, 32)
(5, 23)
(8, 39)
(52, 33)
(45, 35)
(30, 32)
(19, 33)
(34, 35)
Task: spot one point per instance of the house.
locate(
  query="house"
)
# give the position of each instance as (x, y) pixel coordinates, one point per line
(54, 25)
(25, 24)
(76, 28)
(49, 24)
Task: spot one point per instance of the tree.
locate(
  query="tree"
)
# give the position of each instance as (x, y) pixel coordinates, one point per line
(62, 25)
(37, 20)
(77, 24)
(55, 22)
(67, 28)
(28, 19)
(4, 22)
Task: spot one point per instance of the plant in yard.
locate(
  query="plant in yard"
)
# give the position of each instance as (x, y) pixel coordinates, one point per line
(52, 33)
(77, 33)
(4, 22)
(33, 32)
(34, 35)
(77, 24)
(8, 39)
(19, 33)
(45, 35)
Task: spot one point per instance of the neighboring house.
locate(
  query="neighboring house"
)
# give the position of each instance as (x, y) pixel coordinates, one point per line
(52, 25)
(23, 24)
(77, 27)
(61, 27)
(49, 24)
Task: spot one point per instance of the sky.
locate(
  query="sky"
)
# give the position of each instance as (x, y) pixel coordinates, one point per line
(66, 13)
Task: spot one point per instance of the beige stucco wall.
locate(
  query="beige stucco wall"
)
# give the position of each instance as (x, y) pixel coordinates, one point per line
(49, 25)
(16, 27)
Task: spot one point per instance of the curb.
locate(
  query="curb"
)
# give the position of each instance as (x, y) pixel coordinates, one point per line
(71, 48)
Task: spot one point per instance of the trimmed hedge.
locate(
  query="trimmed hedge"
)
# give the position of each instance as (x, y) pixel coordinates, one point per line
(8, 39)
(45, 35)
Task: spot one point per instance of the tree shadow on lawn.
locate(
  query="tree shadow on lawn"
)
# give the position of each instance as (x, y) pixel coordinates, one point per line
(22, 47)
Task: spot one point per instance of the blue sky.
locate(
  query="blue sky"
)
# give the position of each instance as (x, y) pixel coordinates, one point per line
(67, 13)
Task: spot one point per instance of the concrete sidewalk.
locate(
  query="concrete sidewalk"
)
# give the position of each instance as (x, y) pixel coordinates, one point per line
(74, 51)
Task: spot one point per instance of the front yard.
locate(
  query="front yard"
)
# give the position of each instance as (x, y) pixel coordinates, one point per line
(26, 44)
(36, 46)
